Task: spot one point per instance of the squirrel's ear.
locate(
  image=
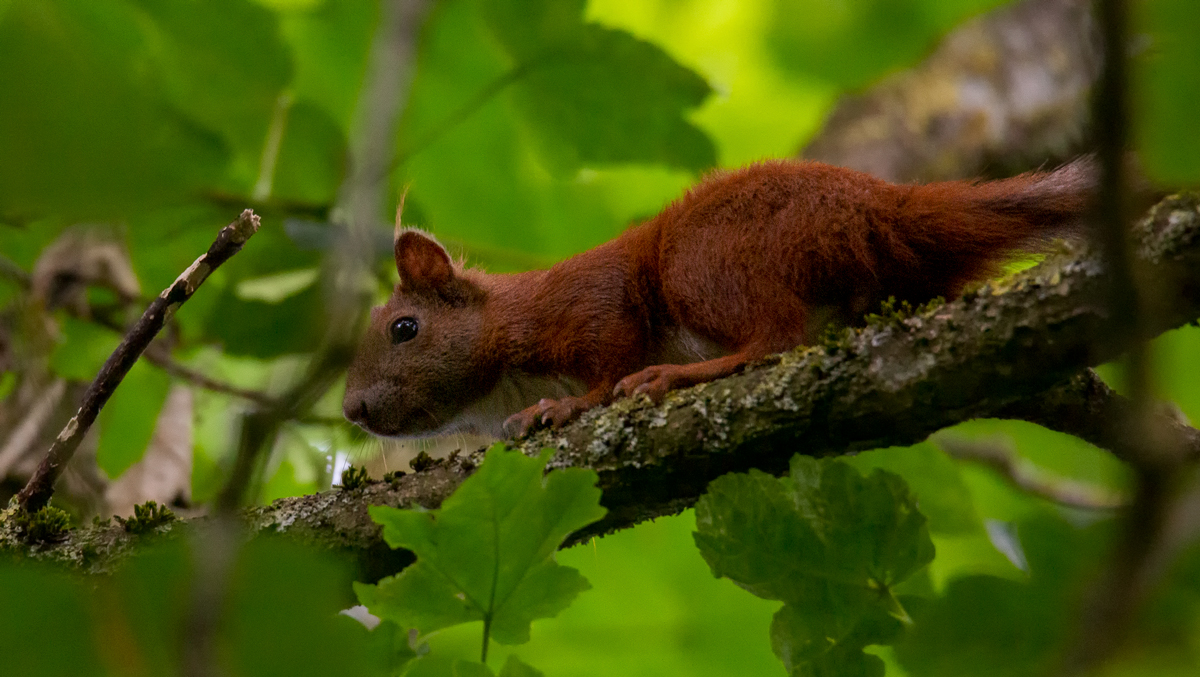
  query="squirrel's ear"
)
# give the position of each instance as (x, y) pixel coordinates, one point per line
(421, 261)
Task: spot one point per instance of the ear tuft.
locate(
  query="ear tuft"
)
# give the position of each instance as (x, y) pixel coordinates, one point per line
(422, 261)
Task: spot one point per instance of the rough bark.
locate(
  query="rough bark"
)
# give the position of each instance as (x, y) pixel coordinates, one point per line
(1012, 348)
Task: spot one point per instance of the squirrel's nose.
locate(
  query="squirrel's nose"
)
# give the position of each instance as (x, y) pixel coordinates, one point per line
(355, 409)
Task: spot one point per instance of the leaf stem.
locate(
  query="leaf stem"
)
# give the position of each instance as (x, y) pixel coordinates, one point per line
(491, 608)
(487, 636)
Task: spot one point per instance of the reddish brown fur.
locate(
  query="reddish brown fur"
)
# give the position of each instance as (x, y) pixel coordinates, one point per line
(745, 264)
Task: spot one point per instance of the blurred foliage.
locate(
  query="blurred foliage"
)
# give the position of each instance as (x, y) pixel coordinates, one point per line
(533, 130)
(138, 622)
(1165, 81)
(850, 44)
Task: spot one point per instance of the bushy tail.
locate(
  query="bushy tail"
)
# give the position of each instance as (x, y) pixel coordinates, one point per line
(962, 229)
(1050, 204)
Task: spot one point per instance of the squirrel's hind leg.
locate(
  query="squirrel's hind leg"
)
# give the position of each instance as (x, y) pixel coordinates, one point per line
(655, 381)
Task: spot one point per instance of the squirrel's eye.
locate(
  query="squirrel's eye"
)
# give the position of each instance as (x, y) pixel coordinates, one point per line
(404, 329)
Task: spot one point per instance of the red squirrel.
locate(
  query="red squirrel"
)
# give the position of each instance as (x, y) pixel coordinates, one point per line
(746, 263)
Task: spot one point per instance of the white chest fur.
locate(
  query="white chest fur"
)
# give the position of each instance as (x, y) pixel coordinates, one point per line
(515, 391)
(684, 346)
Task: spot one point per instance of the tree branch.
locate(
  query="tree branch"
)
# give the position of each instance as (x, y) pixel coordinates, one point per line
(890, 384)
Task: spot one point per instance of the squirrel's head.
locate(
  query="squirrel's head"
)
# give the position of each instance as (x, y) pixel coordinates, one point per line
(418, 365)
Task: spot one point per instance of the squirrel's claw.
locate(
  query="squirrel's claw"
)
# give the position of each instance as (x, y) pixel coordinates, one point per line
(554, 413)
(520, 423)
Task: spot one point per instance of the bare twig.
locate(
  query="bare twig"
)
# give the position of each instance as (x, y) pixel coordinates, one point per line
(229, 241)
(1026, 475)
(1112, 223)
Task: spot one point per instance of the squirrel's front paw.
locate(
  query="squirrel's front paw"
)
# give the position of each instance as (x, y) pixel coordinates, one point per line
(546, 411)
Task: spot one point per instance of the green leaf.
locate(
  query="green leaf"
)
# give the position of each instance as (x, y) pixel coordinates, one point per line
(389, 647)
(312, 156)
(590, 94)
(127, 422)
(471, 669)
(277, 614)
(217, 78)
(487, 553)
(455, 111)
(802, 639)
(281, 615)
(824, 522)
(329, 46)
(443, 666)
(85, 347)
(829, 543)
(273, 612)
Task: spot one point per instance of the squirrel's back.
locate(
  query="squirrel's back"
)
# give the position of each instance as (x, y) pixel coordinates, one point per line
(782, 237)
